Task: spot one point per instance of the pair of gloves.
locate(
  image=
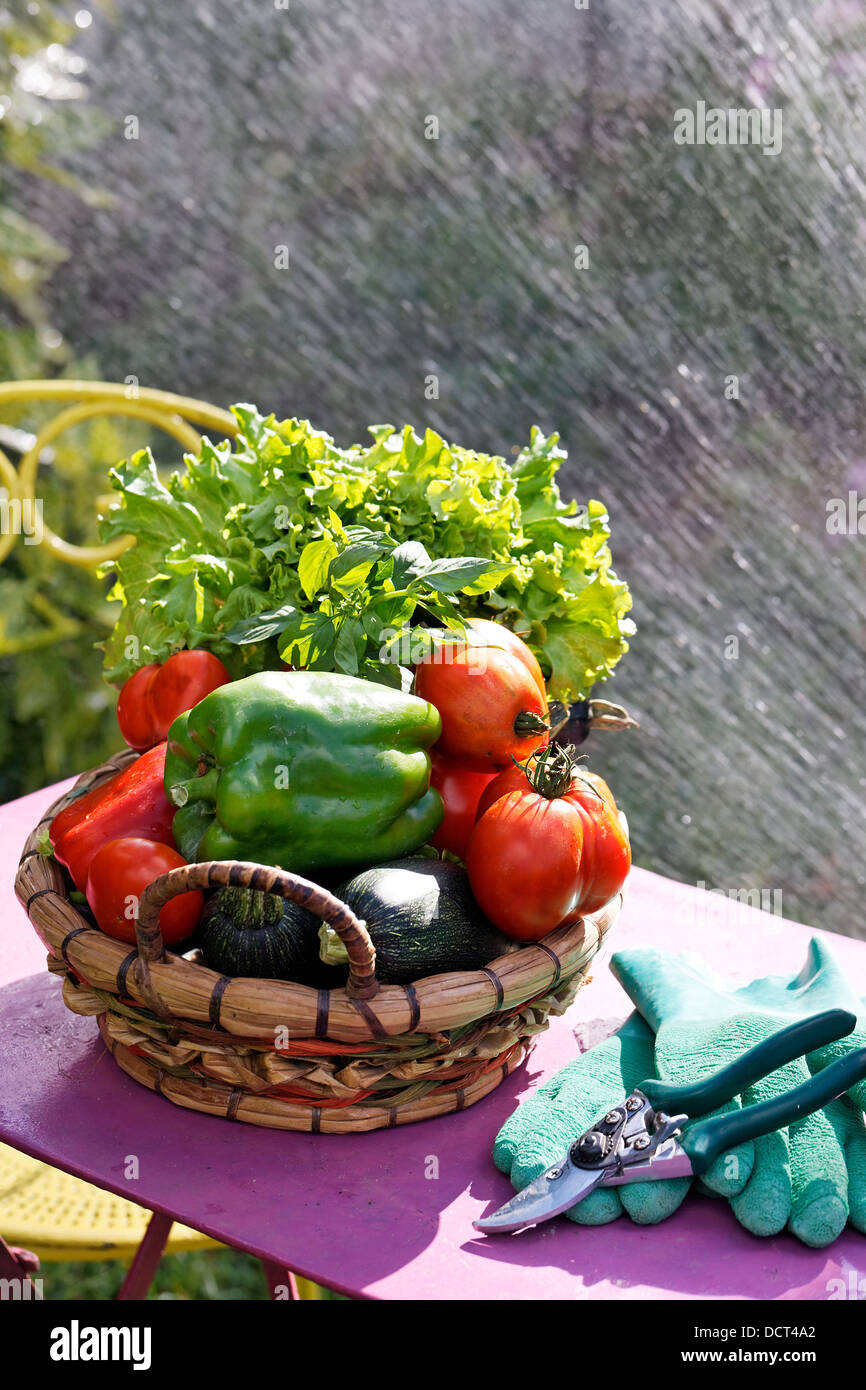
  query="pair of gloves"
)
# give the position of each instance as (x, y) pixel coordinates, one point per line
(809, 1177)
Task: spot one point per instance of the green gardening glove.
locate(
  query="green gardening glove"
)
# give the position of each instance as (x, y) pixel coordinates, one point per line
(810, 1177)
(822, 978)
(547, 1123)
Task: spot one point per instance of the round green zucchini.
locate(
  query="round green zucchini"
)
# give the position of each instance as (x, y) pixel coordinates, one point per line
(263, 936)
(422, 920)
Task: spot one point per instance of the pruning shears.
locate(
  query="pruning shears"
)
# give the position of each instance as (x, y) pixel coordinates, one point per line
(653, 1134)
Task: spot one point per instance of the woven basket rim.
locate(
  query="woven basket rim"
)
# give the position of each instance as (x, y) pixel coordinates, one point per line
(42, 887)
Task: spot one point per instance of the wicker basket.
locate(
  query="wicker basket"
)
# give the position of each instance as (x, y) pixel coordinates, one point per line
(283, 1055)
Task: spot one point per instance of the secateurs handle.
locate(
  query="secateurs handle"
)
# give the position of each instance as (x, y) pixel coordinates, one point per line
(796, 1040)
(704, 1141)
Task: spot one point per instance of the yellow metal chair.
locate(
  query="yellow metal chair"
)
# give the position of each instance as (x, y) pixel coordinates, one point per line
(59, 1217)
(43, 1210)
(56, 1216)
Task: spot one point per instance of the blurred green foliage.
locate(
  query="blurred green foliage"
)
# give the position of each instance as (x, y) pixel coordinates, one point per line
(198, 1274)
(56, 713)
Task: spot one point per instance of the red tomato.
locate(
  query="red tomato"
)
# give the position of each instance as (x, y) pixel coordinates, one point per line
(523, 863)
(490, 703)
(510, 779)
(497, 635)
(182, 682)
(536, 861)
(119, 873)
(460, 787)
(154, 696)
(133, 709)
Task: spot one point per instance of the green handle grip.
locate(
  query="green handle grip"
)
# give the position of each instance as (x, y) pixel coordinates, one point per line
(801, 1037)
(704, 1141)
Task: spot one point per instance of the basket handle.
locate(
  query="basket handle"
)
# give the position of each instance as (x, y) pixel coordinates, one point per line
(362, 982)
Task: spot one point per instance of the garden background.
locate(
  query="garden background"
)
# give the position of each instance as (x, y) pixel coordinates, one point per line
(705, 369)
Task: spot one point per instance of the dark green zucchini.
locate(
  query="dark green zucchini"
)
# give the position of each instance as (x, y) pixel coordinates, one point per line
(244, 932)
(422, 919)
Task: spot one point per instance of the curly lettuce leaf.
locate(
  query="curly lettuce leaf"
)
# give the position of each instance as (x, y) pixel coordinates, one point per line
(221, 542)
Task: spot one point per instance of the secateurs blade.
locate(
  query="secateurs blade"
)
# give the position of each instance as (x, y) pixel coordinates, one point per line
(652, 1134)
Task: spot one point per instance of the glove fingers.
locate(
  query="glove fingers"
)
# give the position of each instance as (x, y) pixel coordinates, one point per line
(532, 1139)
(526, 1153)
(730, 1173)
(597, 1209)
(647, 1203)
(543, 1127)
(858, 1092)
(855, 1159)
(509, 1138)
(764, 1204)
(824, 1056)
(504, 1149)
(542, 1111)
(539, 1148)
(756, 1177)
(819, 1177)
(833, 1052)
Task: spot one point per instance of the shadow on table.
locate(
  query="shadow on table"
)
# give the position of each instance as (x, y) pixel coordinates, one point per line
(349, 1211)
(701, 1251)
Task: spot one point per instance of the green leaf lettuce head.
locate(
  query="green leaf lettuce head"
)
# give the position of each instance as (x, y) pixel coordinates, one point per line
(331, 546)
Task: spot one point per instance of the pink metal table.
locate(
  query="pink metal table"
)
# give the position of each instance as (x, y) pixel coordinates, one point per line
(388, 1215)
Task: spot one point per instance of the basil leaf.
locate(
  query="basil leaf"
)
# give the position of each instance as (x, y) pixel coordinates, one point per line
(313, 565)
(386, 673)
(311, 642)
(386, 612)
(359, 553)
(450, 576)
(419, 643)
(262, 627)
(410, 560)
(350, 646)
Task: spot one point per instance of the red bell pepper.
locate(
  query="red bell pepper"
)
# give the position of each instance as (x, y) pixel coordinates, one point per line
(133, 803)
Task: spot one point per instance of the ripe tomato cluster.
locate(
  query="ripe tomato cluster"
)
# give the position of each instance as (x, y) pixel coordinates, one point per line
(542, 838)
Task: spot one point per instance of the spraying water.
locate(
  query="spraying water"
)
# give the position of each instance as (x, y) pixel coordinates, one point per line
(483, 217)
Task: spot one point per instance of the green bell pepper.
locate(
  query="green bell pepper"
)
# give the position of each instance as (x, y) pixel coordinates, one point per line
(303, 769)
